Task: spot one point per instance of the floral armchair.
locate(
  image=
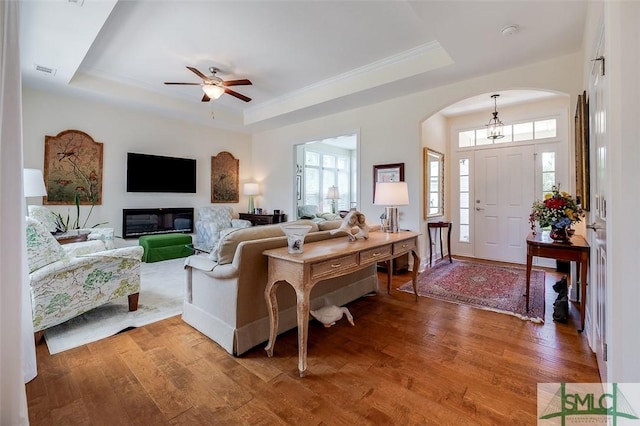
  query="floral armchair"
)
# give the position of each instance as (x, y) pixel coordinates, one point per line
(213, 222)
(68, 280)
(48, 219)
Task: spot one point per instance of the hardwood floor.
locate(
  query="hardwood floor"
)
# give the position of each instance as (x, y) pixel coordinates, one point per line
(404, 362)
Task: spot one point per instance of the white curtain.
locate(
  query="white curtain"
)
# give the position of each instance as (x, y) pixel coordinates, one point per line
(17, 356)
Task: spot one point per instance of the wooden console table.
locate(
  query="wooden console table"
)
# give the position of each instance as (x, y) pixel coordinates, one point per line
(576, 250)
(326, 259)
(263, 219)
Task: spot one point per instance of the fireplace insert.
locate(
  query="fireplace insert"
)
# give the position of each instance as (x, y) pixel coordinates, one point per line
(138, 222)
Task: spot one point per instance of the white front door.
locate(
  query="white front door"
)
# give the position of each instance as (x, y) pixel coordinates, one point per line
(598, 215)
(504, 191)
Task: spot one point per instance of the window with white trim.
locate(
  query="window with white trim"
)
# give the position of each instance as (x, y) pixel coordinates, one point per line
(548, 172)
(517, 132)
(323, 169)
(465, 194)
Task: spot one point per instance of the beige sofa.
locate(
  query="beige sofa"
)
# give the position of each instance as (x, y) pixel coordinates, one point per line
(225, 300)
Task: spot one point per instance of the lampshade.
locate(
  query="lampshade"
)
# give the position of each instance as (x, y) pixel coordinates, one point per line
(494, 128)
(33, 183)
(333, 193)
(213, 91)
(251, 189)
(391, 194)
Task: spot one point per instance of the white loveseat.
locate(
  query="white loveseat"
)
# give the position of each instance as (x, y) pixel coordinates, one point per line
(225, 299)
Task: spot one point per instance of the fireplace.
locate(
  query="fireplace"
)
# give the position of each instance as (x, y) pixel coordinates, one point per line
(138, 222)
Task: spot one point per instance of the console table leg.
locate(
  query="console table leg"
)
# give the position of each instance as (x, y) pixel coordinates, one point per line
(430, 245)
(302, 296)
(449, 243)
(529, 262)
(414, 272)
(583, 288)
(272, 306)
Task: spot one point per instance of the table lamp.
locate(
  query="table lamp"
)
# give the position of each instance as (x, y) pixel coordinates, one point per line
(33, 182)
(333, 194)
(391, 194)
(251, 189)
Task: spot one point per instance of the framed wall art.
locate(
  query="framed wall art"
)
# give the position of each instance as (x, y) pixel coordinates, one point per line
(72, 166)
(582, 151)
(387, 173)
(225, 187)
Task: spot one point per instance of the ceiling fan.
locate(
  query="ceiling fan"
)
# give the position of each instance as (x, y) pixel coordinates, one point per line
(213, 86)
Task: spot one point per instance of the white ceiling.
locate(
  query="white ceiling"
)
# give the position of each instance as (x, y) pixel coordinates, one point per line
(305, 58)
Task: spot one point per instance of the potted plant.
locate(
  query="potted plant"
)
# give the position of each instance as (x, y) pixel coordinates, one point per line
(63, 223)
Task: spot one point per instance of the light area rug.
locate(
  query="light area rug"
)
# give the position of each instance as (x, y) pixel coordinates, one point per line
(495, 288)
(162, 286)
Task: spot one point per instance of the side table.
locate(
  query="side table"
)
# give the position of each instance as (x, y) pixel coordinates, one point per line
(438, 230)
(72, 237)
(576, 250)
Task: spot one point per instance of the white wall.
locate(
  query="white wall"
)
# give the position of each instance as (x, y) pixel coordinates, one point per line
(435, 136)
(622, 37)
(390, 132)
(127, 130)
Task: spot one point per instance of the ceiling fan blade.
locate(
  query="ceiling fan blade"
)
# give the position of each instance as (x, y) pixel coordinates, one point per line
(237, 95)
(185, 84)
(206, 98)
(243, 82)
(198, 73)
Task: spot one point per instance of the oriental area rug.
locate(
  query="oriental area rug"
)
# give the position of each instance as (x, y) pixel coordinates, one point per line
(162, 286)
(494, 288)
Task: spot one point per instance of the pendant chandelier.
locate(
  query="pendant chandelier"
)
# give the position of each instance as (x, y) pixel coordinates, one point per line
(494, 128)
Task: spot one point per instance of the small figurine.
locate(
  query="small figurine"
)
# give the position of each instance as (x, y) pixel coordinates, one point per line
(354, 219)
(328, 315)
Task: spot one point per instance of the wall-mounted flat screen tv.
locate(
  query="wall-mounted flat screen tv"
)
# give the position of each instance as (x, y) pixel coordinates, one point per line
(155, 173)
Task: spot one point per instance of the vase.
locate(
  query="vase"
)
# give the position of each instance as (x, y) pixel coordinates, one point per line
(559, 234)
(295, 237)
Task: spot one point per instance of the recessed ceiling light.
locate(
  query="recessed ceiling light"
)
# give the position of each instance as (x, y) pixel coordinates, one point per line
(45, 70)
(510, 30)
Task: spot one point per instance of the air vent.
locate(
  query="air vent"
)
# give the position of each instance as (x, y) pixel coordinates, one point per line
(46, 70)
(77, 2)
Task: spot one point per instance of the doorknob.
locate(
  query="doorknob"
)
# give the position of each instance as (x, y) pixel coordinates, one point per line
(593, 226)
(479, 208)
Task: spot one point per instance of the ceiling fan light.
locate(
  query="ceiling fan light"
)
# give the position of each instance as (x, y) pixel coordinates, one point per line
(213, 91)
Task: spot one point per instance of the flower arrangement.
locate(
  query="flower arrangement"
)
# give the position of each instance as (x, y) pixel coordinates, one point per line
(558, 210)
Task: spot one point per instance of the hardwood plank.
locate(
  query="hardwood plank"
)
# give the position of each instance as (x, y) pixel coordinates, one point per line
(404, 362)
(133, 399)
